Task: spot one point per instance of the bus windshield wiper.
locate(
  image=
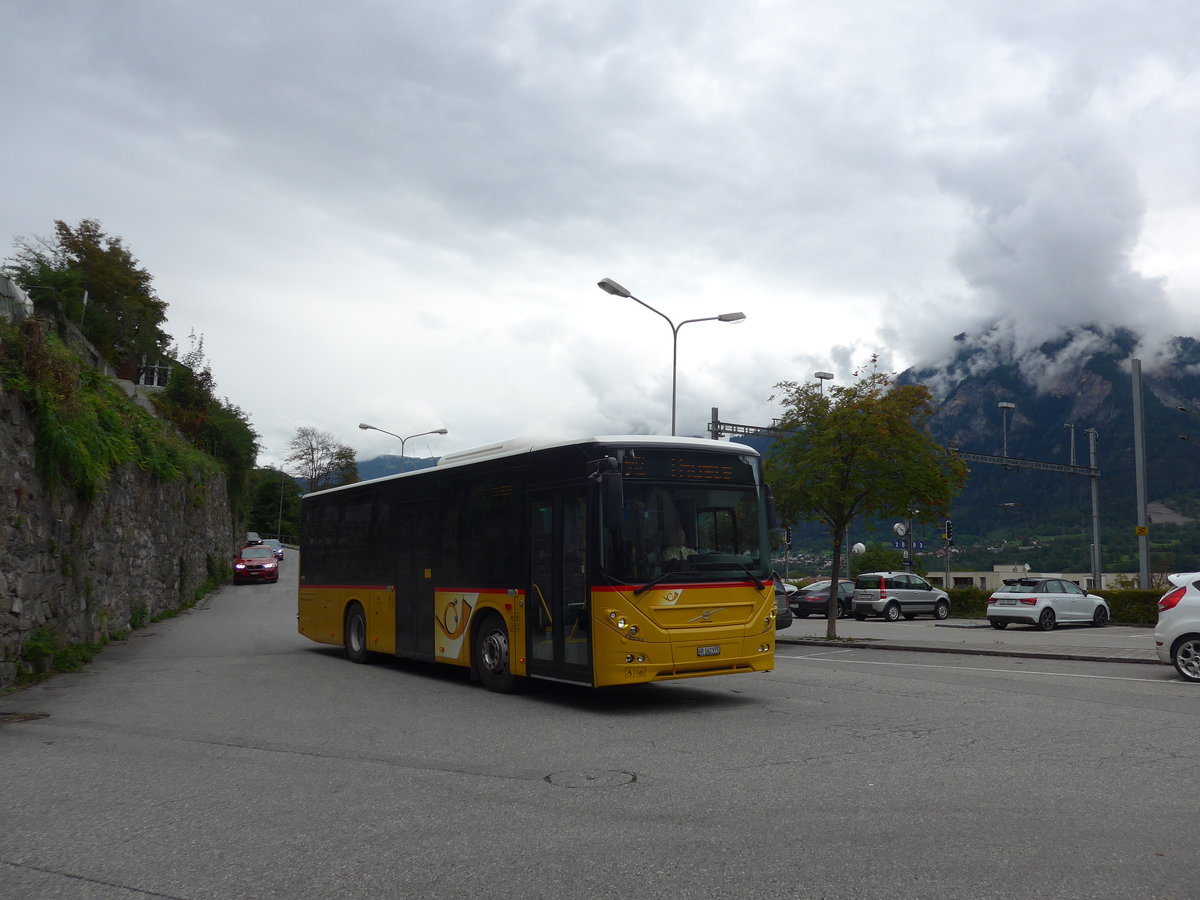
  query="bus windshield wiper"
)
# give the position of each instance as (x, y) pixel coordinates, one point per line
(638, 591)
(758, 584)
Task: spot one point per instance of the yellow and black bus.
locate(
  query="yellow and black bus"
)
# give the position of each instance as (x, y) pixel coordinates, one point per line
(603, 561)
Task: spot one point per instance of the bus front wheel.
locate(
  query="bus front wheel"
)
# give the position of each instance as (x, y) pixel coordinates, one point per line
(354, 636)
(491, 655)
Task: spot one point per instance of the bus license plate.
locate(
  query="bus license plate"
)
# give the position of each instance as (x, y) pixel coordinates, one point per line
(708, 651)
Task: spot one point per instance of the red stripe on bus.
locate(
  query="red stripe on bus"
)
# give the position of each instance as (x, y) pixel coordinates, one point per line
(668, 585)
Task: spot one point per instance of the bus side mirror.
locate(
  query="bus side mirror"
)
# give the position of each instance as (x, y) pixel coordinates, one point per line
(772, 518)
(612, 496)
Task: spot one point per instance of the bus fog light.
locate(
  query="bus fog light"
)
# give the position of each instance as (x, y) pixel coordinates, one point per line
(641, 657)
(628, 657)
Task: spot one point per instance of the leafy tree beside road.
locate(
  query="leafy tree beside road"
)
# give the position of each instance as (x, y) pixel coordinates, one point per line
(93, 280)
(318, 457)
(862, 449)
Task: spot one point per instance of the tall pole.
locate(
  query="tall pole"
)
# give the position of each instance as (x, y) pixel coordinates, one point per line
(1139, 464)
(611, 287)
(279, 524)
(402, 440)
(1096, 576)
(1005, 406)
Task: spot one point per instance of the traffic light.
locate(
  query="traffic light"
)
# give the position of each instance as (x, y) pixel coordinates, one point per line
(787, 534)
(949, 532)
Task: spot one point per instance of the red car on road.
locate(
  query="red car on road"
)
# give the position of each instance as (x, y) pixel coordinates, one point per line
(255, 563)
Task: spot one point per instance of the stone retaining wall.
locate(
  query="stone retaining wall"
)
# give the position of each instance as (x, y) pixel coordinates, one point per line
(88, 570)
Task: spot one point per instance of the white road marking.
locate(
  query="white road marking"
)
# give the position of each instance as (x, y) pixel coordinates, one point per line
(869, 662)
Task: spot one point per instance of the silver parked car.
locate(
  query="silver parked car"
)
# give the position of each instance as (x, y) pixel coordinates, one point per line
(1177, 634)
(1044, 603)
(896, 594)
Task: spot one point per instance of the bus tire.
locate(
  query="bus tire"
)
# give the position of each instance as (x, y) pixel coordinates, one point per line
(490, 654)
(354, 635)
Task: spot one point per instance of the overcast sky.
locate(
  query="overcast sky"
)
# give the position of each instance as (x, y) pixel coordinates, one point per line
(397, 212)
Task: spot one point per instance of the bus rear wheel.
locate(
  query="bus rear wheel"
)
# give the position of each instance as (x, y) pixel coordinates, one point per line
(491, 655)
(354, 635)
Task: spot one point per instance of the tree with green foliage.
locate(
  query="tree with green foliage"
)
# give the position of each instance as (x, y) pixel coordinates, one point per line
(92, 280)
(318, 457)
(876, 558)
(859, 449)
(215, 426)
(274, 503)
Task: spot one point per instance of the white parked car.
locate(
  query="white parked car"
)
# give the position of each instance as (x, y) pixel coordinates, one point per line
(1177, 634)
(1044, 603)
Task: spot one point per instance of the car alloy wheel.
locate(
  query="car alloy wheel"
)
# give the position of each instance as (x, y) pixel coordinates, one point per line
(1186, 656)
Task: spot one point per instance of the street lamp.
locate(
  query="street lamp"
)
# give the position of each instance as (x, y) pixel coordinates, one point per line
(1005, 406)
(611, 287)
(823, 377)
(364, 425)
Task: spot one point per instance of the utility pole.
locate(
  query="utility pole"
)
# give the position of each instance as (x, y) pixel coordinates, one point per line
(1139, 465)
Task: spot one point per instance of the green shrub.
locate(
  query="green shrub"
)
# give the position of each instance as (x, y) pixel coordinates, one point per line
(85, 426)
(1132, 607)
(39, 648)
(968, 603)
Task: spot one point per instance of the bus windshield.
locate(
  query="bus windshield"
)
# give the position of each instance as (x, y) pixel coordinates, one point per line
(698, 531)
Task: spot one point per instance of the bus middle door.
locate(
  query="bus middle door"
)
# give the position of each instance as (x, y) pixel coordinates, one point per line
(558, 613)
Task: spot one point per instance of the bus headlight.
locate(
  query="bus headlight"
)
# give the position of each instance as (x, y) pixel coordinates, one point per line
(633, 629)
(621, 623)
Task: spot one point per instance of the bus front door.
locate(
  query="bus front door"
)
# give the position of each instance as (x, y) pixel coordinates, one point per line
(558, 637)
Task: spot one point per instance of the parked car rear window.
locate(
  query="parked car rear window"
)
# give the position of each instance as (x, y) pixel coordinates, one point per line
(869, 582)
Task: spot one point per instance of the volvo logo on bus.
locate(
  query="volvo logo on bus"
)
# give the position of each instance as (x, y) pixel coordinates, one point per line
(706, 616)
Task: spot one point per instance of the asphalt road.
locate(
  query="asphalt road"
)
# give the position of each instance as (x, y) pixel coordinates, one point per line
(220, 755)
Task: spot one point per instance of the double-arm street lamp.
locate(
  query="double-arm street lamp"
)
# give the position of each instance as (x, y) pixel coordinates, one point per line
(367, 427)
(611, 287)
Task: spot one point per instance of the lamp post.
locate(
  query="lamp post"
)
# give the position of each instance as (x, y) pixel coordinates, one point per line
(823, 377)
(367, 427)
(1005, 406)
(611, 287)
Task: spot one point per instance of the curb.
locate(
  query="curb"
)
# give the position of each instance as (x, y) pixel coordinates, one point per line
(962, 651)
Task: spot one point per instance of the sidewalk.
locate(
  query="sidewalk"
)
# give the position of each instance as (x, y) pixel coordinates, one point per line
(1115, 643)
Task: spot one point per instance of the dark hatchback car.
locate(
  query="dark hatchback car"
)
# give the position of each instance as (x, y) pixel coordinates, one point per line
(783, 615)
(255, 563)
(811, 599)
